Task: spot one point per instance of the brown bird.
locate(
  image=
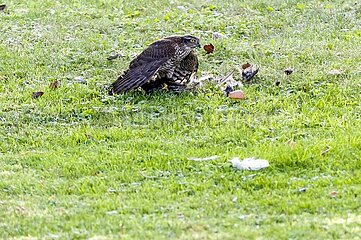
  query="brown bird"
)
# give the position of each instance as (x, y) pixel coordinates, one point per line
(170, 61)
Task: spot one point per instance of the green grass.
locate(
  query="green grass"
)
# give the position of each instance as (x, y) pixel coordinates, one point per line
(76, 163)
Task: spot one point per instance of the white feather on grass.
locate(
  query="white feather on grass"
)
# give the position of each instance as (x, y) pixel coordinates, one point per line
(249, 163)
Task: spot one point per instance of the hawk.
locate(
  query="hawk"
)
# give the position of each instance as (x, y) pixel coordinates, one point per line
(170, 61)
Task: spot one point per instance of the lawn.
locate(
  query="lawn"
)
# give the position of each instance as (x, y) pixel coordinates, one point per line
(76, 163)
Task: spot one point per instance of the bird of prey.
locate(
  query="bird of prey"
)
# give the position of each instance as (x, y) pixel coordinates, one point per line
(169, 62)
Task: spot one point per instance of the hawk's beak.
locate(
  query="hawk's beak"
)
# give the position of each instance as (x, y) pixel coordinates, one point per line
(199, 45)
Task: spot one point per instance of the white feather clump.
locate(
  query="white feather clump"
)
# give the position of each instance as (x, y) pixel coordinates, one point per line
(249, 163)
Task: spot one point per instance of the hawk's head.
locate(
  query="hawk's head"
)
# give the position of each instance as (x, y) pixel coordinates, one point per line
(191, 41)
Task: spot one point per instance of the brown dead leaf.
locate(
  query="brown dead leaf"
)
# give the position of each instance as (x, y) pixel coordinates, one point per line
(238, 94)
(55, 84)
(2, 7)
(209, 48)
(37, 94)
(246, 65)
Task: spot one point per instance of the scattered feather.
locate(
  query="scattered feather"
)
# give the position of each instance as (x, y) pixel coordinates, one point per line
(114, 212)
(80, 80)
(228, 90)
(55, 84)
(217, 35)
(249, 163)
(248, 71)
(335, 72)
(204, 159)
(182, 8)
(226, 78)
(301, 190)
(114, 56)
(37, 94)
(288, 71)
(199, 82)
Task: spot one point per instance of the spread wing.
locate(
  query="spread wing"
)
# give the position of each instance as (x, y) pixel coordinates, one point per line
(144, 66)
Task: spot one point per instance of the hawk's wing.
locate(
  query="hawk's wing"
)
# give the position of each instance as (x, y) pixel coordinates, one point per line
(144, 66)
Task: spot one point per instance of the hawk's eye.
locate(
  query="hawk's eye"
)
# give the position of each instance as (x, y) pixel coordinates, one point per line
(192, 40)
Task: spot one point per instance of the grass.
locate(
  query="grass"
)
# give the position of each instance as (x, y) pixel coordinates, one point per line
(76, 163)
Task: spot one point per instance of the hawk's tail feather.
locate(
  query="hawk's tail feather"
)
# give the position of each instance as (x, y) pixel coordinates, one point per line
(127, 81)
(133, 78)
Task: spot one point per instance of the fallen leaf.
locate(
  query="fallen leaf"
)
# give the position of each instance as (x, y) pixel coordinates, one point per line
(209, 48)
(204, 159)
(37, 94)
(246, 65)
(2, 7)
(288, 71)
(55, 84)
(249, 163)
(2, 78)
(237, 94)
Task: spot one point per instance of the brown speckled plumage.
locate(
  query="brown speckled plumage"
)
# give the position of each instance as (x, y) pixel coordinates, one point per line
(170, 61)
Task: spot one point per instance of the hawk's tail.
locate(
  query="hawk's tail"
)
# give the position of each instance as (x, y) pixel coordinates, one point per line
(134, 78)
